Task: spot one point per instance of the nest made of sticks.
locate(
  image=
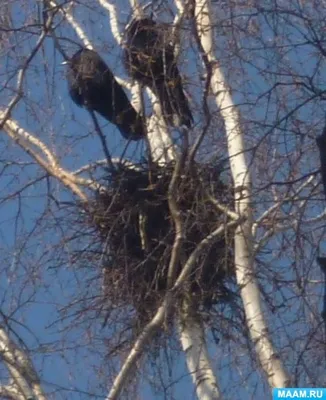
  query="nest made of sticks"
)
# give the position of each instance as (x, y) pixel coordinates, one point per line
(137, 233)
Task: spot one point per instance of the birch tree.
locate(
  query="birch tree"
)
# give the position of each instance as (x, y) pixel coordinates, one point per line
(254, 76)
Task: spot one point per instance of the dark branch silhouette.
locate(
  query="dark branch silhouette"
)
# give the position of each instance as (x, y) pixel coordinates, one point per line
(149, 58)
(92, 85)
(321, 143)
(322, 263)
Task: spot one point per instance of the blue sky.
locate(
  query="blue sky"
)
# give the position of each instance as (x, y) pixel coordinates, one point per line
(38, 280)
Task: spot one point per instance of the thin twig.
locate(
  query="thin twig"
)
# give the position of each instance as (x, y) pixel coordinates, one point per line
(22, 72)
(103, 140)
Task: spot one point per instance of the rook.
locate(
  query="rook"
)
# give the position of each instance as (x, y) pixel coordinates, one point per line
(149, 58)
(92, 85)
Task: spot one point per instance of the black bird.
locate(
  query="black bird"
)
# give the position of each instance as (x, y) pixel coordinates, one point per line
(149, 58)
(92, 85)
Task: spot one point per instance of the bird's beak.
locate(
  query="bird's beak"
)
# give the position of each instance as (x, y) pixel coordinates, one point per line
(65, 63)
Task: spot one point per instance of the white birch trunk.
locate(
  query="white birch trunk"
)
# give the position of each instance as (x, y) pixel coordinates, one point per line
(25, 381)
(192, 338)
(245, 273)
(161, 147)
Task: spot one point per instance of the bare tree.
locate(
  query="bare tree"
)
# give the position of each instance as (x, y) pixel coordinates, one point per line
(119, 259)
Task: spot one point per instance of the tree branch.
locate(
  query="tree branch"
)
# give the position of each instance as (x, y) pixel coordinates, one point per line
(113, 15)
(10, 392)
(176, 216)
(25, 140)
(20, 368)
(21, 74)
(66, 12)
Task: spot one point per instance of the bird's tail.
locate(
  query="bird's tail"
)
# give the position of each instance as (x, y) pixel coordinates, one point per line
(175, 106)
(130, 124)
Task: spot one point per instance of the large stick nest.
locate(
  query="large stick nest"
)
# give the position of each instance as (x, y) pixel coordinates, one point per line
(137, 233)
